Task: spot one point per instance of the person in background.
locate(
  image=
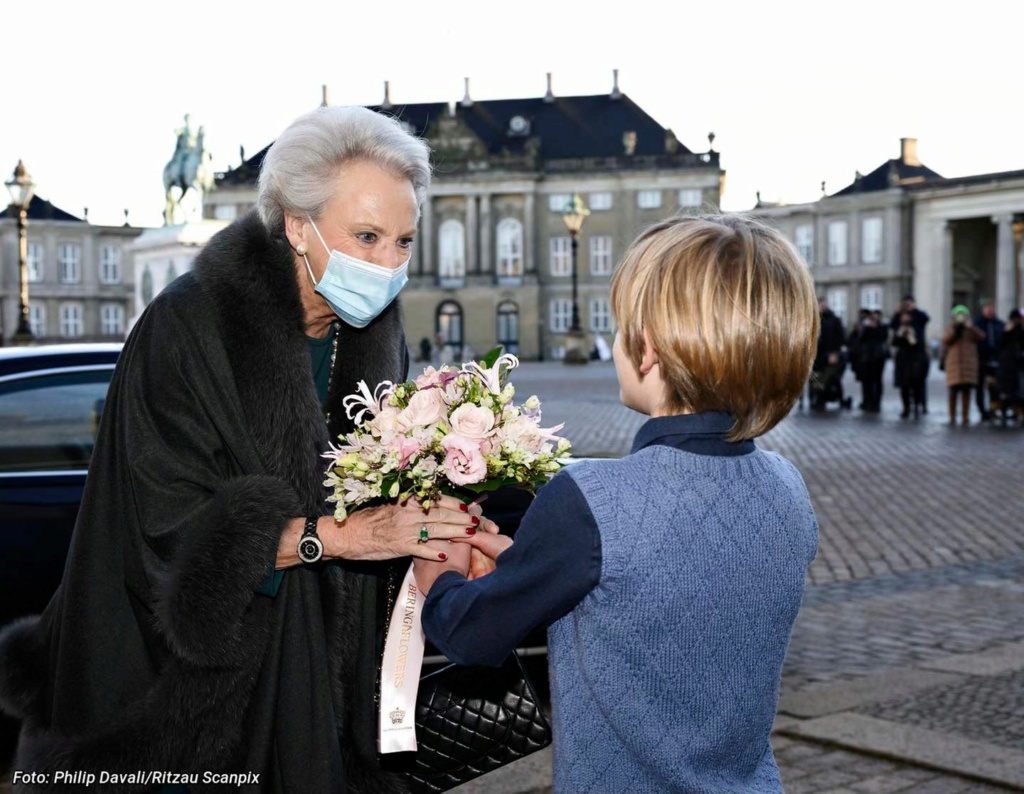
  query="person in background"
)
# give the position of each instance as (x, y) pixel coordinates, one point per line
(988, 354)
(870, 350)
(961, 341)
(911, 365)
(919, 321)
(829, 352)
(1008, 375)
(670, 579)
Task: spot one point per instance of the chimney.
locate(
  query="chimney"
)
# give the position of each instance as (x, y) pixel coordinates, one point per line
(323, 94)
(467, 101)
(386, 104)
(908, 151)
(85, 214)
(549, 96)
(616, 93)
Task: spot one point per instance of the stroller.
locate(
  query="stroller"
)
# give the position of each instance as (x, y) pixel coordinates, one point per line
(826, 385)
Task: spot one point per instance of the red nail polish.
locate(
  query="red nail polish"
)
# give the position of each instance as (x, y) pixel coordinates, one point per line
(471, 531)
(475, 520)
(463, 507)
(442, 556)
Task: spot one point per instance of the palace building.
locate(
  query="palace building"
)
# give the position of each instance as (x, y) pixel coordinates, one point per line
(493, 259)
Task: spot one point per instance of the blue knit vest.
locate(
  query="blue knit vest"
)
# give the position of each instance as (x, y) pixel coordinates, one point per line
(666, 677)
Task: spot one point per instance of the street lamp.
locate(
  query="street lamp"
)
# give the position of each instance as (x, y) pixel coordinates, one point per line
(21, 188)
(575, 213)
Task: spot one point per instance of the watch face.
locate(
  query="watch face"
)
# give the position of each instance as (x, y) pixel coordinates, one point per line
(310, 549)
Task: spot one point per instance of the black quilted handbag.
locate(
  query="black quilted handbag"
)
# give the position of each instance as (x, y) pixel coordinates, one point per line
(472, 720)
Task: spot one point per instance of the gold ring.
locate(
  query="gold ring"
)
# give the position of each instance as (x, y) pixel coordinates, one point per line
(424, 535)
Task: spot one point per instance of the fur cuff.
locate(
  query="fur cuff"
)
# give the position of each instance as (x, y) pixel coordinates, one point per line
(22, 667)
(228, 552)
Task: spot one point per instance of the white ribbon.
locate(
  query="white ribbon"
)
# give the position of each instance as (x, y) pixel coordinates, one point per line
(400, 672)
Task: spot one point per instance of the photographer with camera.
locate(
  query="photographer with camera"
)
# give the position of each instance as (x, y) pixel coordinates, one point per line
(911, 365)
(961, 342)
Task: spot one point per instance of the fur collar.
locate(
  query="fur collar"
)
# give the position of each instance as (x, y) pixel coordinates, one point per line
(249, 275)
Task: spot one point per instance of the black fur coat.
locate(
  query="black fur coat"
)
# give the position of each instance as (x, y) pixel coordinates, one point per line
(156, 653)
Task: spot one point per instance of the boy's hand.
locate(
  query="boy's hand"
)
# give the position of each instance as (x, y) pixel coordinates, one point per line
(427, 571)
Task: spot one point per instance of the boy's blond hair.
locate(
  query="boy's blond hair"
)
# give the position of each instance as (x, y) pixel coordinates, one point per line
(730, 308)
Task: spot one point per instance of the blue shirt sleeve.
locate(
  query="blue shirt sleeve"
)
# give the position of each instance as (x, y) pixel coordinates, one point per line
(553, 563)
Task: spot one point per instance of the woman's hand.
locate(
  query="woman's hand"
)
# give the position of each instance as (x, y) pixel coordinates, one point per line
(395, 530)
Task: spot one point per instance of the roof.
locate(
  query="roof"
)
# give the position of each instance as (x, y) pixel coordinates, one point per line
(972, 179)
(563, 128)
(42, 210)
(892, 173)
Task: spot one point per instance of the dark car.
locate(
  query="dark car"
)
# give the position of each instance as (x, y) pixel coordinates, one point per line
(51, 399)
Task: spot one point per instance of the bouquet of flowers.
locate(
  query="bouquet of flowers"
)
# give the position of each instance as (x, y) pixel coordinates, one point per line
(451, 431)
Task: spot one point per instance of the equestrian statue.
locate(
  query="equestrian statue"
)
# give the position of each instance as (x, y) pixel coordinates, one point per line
(189, 169)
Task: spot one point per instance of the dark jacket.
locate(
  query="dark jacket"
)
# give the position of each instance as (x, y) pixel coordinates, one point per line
(830, 339)
(156, 652)
(918, 319)
(911, 360)
(988, 345)
(1011, 359)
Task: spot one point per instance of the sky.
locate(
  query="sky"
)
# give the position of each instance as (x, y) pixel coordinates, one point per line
(796, 92)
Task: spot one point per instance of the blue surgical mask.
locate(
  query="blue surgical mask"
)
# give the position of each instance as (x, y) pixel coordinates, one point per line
(357, 291)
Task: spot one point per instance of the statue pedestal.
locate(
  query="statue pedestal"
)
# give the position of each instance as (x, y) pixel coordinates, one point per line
(161, 255)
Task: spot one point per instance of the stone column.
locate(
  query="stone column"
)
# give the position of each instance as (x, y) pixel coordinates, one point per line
(945, 276)
(529, 244)
(472, 235)
(486, 252)
(427, 236)
(1006, 286)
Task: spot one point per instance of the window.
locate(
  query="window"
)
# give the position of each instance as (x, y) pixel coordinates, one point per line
(147, 286)
(449, 332)
(648, 199)
(50, 420)
(600, 315)
(837, 243)
(561, 256)
(837, 302)
(690, 197)
(37, 319)
(601, 255)
(71, 320)
(508, 327)
(557, 202)
(804, 239)
(112, 319)
(225, 212)
(601, 201)
(871, 240)
(35, 262)
(561, 315)
(871, 297)
(451, 270)
(69, 262)
(110, 264)
(510, 251)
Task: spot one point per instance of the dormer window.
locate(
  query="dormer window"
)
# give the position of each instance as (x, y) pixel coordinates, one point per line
(518, 126)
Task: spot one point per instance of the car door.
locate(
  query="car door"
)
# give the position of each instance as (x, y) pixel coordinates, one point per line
(48, 423)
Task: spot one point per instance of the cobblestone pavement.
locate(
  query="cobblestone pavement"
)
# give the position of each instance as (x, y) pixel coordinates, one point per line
(906, 668)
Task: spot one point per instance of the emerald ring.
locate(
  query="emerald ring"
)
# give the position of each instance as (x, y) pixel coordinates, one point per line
(424, 535)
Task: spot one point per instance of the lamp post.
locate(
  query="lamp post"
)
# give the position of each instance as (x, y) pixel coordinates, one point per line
(575, 213)
(21, 188)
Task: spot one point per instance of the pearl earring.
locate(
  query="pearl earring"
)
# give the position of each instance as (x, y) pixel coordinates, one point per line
(300, 249)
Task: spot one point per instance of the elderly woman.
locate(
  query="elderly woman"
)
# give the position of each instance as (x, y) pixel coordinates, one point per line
(211, 617)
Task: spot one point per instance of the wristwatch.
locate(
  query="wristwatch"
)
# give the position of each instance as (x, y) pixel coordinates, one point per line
(310, 547)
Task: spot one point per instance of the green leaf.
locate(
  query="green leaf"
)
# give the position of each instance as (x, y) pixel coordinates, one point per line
(491, 356)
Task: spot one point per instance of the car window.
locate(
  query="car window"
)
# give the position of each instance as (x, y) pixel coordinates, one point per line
(49, 422)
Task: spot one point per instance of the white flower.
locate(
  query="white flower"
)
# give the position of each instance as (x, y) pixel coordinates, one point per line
(471, 421)
(491, 378)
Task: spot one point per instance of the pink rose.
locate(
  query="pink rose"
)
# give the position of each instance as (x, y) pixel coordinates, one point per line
(425, 407)
(463, 463)
(430, 377)
(472, 421)
(408, 448)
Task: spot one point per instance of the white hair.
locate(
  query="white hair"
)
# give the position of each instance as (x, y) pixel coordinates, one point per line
(300, 168)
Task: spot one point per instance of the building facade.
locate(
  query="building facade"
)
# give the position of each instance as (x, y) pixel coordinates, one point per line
(904, 229)
(492, 263)
(80, 276)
